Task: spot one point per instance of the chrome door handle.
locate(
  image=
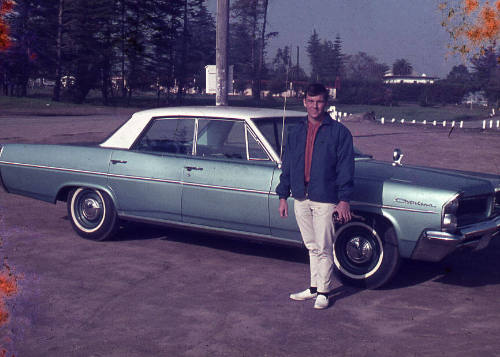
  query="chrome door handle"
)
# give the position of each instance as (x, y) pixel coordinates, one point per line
(191, 168)
(114, 162)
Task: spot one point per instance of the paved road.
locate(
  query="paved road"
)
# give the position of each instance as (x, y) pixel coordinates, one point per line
(163, 292)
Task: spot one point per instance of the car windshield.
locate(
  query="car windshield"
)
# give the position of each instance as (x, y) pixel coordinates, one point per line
(271, 128)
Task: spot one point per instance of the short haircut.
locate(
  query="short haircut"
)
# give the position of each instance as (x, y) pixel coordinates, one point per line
(315, 89)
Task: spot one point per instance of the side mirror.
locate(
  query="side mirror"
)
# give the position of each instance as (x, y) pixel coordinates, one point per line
(397, 156)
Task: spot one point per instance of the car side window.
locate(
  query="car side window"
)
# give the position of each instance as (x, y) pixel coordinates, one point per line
(168, 135)
(255, 151)
(227, 139)
(221, 138)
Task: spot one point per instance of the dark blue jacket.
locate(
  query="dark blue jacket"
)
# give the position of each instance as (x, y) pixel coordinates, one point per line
(332, 166)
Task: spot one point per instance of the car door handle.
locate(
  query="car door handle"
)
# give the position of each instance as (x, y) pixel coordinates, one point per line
(191, 168)
(114, 162)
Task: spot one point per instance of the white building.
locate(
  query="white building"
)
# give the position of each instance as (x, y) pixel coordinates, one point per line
(413, 78)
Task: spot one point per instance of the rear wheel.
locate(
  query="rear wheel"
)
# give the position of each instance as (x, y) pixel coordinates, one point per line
(364, 256)
(92, 213)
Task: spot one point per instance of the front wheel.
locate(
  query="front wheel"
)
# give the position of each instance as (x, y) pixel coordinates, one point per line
(92, 213)
(365, 257)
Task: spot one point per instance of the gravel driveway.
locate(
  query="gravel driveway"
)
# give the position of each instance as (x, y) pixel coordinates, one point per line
(164, 292)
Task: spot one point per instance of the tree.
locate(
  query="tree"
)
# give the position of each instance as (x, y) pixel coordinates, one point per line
(487, 74)
(88, 46)
(200, 45)
(363, 67)
(459, 74)
(101, 43)
(6, 7)
(280, 70)
(402, 67)
(314, 50)
(248, 40)
(30, 50)
(472, 26)
(452, 89)
(58, 59)
(326, 58)
(338, 58)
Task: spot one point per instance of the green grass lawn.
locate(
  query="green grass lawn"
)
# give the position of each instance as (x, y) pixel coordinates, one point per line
(40, 103)
(30, 103)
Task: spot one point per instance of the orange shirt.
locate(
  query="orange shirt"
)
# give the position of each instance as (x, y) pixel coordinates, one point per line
(312, 129)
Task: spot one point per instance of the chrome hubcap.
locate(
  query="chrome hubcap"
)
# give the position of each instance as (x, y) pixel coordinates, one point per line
(91, 209)
(359, 250)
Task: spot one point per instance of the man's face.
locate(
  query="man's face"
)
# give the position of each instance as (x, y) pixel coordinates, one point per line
(315, 106)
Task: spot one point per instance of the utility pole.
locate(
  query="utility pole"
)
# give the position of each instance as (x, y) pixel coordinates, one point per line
(221, 52)
(298, 65)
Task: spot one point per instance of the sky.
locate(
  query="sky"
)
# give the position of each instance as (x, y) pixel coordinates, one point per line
(386, 29)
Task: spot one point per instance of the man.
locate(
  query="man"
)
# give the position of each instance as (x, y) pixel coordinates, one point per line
(317, 170)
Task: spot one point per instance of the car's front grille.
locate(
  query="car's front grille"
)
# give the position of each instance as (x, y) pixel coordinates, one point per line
(473, 209)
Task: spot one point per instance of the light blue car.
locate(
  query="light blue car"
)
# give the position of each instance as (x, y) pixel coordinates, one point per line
(216, 169)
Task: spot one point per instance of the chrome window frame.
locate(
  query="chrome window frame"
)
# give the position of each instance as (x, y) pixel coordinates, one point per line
(259, 143)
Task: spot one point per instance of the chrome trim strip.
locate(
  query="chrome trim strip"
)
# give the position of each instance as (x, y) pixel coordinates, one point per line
(145, 178)
(354, 203)
(140, 178)
(53, 168)
(225, 188)
(358, 203)
(246, 142)
(201, 228)
(195, 137)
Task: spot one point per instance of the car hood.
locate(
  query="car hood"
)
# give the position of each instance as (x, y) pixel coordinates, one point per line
(470, 183)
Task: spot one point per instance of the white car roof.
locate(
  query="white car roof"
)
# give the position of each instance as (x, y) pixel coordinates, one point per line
(125, 136)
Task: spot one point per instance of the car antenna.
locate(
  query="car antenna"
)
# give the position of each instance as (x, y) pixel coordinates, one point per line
(284, 108)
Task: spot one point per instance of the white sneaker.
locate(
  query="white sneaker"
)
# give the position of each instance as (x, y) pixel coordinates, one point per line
(303, 295)
(321, 302)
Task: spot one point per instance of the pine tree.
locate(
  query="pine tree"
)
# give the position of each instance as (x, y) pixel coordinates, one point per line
(248, 39)
(314, 50)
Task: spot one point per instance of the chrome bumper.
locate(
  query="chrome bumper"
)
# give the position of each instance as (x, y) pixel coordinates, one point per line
(435, 245)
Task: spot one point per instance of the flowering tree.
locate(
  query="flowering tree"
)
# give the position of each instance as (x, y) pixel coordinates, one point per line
(5, 7)
(473, 25)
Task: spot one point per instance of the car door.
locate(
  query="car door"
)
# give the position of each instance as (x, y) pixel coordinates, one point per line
(147, 180)
(226, 181)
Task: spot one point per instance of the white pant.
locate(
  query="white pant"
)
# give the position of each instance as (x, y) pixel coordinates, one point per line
(315, 220)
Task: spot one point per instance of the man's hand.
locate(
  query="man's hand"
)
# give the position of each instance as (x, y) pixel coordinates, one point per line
(283, 208)
(344, 211)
